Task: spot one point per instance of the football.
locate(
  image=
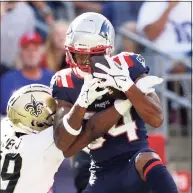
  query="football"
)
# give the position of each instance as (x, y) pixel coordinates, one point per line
(113, 93)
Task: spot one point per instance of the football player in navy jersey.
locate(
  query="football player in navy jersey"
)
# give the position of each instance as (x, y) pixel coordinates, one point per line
(113, 129)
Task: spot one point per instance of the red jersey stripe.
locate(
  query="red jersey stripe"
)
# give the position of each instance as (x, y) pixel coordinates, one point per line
(59, 80)
(116, 59)
(150, 167)
(69, 81)
(128, 60)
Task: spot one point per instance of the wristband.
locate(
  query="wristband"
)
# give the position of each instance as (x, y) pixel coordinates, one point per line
(122, 106)
(69, 129)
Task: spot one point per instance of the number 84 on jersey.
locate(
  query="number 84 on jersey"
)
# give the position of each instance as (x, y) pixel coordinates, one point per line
(125, 126)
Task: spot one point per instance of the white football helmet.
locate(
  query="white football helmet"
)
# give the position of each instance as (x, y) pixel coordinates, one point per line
(90, 33)
(31, 109)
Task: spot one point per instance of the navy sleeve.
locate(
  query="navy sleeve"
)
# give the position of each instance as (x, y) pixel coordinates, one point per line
(58, 91)
(136, 64)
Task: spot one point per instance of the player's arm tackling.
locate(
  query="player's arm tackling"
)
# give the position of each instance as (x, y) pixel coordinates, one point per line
(69, 118)
(71, 114)
(98, 125)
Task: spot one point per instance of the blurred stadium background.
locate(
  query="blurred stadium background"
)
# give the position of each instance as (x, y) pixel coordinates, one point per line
(172, 62)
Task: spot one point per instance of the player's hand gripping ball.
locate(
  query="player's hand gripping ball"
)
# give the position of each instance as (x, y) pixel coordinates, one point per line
(114, 93)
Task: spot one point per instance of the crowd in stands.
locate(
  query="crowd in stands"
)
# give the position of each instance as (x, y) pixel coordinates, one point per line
(33, 35)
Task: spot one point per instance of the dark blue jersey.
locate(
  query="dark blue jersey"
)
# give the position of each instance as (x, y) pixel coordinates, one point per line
(129, 134)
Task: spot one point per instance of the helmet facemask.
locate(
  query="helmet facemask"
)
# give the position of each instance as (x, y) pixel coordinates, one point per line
(81, 63)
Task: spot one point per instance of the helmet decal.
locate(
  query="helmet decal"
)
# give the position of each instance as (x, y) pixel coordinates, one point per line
(34, 107)
(105, 29)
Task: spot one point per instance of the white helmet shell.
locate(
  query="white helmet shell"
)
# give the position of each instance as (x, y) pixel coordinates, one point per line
(90, 33)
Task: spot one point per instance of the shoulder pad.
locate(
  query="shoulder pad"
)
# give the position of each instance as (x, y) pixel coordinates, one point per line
(6, 129)
(62, 78)
(130, 58)
(136, 63)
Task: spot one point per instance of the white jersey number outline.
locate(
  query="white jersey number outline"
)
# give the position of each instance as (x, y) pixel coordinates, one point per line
(124, 126)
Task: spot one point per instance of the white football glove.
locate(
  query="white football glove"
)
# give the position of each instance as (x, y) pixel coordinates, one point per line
(147, 83)
(117, 76)
(88, 92)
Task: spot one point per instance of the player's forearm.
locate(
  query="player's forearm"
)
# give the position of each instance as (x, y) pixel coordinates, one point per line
(76, 116)
(147, 107)
(62, 137)
(103, 121)
(98, 125)
(85, 138)
(155, 29)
